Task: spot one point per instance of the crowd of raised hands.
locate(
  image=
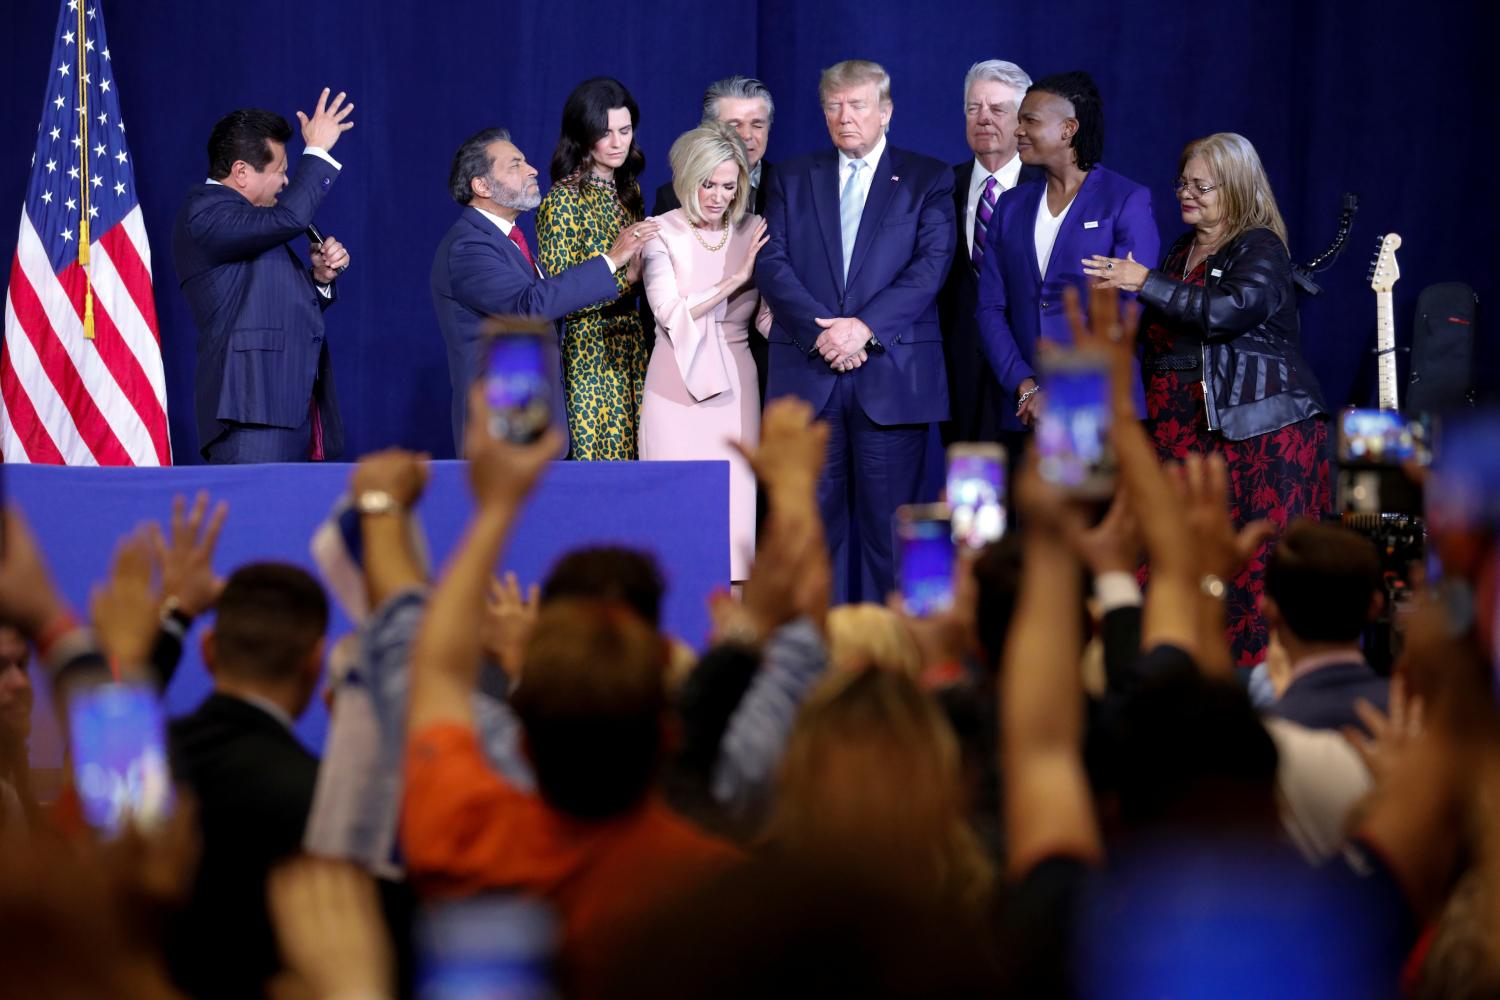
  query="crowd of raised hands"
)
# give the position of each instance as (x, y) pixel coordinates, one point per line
(837, 801)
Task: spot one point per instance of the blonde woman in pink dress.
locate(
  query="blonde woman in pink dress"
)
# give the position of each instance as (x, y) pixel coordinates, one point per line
(700, 386)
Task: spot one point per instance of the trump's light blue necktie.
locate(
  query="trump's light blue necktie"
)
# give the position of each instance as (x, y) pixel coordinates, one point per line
(851, 205)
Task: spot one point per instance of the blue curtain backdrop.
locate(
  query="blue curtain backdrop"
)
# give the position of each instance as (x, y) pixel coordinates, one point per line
(1383, 98)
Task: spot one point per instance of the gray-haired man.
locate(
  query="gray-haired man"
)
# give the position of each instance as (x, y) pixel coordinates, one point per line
(744, 104)
(992, 94)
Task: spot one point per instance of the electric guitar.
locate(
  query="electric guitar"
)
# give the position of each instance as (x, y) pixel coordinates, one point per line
(1384, 273)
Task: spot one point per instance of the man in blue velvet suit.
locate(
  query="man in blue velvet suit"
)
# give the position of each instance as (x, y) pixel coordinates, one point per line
(993, 90)
(1041, 233)
(263, 390)
(861, 239)
(484, 266)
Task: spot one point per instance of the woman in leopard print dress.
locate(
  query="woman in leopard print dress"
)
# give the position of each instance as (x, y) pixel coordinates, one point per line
(594, 195)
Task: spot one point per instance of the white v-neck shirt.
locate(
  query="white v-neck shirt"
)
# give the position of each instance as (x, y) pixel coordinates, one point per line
(1047, 227)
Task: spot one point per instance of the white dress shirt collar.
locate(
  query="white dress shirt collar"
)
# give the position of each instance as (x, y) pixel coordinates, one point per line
(1007, 176)
(503, 224)
(872, 158)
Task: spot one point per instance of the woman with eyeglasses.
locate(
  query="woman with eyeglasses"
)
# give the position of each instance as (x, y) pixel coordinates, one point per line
(1221, 354)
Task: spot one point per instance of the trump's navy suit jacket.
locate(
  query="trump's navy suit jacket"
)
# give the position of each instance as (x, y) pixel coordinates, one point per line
(259, 314)
(1018, 305)
(478, 273)
(901, 255)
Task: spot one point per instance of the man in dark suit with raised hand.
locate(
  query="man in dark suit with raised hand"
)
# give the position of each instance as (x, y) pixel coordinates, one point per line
(263, 389)
(861, 239)
(251, 778)
(484, 265)
(993, 90)
(745, 105)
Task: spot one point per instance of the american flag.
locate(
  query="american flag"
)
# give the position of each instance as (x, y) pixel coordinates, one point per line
(80, 370)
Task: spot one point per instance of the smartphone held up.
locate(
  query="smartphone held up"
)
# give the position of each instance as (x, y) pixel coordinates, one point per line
(518, 379)
(976, 493)
(1073, 432)
(924, 558)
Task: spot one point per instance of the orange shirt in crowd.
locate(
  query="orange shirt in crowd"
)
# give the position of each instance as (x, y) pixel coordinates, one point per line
(464, 829)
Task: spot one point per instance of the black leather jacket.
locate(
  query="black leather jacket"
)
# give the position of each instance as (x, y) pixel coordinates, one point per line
(1243, 322)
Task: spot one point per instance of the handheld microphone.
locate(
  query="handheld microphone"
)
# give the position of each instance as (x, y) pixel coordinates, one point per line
(316, 239)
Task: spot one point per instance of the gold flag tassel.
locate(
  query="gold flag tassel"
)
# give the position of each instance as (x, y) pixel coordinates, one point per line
(83, 178)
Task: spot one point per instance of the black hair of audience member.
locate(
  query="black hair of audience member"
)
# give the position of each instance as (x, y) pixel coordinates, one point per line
(593, 706)
(777, 928)
(705, 703)
(1324, 579)
(473, 160)
(15, 727)
(269, 618)
(585, 120)
(609, 573)
(246, 135)
(1184, 752)
(1078, 88)
(997, 575)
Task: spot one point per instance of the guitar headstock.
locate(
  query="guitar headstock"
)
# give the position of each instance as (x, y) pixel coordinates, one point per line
(1384, 271)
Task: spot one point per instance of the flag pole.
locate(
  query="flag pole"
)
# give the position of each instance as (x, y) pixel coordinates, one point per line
(83, 177)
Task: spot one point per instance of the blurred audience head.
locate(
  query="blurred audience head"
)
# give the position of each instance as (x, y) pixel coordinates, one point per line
(1186, 753)
(62, 920)
(609, 573)
(1323, 584)
(862, 636)
(15, 688)
(269, 632)
(997, 575)
(18, 808)
(871, 782)
(790, 930)
(592, 703)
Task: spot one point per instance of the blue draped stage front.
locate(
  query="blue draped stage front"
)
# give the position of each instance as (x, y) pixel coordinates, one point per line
(1385, 99)
(678, 511)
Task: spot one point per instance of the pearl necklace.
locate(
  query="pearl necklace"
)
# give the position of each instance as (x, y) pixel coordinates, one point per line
(704, 244)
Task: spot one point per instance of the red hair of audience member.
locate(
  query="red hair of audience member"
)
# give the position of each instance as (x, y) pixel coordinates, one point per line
(871, 780)
(62, 918)
(593, 703)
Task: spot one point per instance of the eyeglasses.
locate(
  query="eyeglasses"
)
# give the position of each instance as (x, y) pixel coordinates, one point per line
(1180, 183)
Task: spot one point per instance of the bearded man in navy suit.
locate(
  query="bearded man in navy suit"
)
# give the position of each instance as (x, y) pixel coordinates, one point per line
(485, 267)
(861, 237)
(263, 387)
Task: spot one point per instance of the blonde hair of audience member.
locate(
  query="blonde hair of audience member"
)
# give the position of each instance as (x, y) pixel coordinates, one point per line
(1244, 190)
(696, 155)
(854, 73)
(871, 782)
(869, 635)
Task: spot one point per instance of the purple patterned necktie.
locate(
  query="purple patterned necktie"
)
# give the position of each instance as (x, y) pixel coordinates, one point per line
(982, 216)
